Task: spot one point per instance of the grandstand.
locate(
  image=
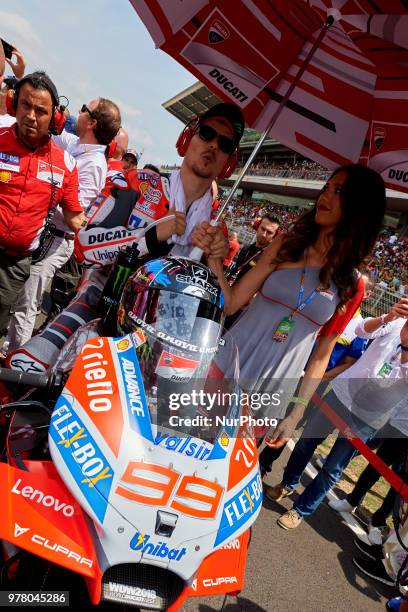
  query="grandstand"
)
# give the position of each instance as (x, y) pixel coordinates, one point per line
(278, 174)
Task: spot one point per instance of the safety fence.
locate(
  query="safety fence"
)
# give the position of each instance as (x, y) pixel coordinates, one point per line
(245, 234)
(380, 301)
(308, 174)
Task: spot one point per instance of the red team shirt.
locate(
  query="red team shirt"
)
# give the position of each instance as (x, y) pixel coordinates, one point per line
(26, 191)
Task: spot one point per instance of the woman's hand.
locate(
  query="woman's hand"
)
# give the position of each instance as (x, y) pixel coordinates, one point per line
(173, 226)
(283, 433)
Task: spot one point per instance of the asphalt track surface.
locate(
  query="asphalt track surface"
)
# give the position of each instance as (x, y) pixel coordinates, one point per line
(308, 569)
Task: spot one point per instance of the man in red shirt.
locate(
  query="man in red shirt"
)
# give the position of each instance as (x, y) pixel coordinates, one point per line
(234, 247)
(35, 175)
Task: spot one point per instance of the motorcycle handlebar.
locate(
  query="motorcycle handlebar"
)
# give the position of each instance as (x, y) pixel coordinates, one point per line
(40, 381)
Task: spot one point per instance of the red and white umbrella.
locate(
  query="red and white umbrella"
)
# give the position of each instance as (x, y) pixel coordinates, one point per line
(327, 78)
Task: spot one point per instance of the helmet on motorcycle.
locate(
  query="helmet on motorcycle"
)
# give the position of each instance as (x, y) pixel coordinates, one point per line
(177, 300)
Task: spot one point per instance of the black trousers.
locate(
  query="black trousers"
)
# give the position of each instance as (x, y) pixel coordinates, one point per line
(14, 271)
(392, 451)
(268, 456)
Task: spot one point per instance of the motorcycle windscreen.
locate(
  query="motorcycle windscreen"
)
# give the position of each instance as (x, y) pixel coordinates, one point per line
(191, 378)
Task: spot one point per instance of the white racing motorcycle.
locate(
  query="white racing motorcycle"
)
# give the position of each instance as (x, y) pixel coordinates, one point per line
(138, 471)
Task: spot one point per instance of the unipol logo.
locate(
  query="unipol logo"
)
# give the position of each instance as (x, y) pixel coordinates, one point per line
(18, 531)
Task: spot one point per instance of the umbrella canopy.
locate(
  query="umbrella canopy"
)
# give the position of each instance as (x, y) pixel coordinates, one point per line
(350, 103)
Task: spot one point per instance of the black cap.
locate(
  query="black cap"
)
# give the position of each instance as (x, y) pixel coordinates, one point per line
(231, 113)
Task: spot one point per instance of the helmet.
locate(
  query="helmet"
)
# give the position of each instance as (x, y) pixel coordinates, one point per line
(176, 300)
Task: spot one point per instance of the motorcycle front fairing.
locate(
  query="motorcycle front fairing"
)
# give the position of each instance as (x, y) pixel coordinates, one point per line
(170, 497)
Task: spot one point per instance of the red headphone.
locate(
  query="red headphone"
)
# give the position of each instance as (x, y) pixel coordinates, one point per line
(183, 142)
(57, 122)
(111, 148)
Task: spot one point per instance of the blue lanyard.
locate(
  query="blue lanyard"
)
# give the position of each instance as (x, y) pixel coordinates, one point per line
(301, 305)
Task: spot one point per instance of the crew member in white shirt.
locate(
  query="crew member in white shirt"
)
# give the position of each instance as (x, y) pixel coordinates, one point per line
(97, 125)
(364, 396)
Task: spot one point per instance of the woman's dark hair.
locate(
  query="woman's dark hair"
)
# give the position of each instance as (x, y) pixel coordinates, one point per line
(363, 206)
(108, 121)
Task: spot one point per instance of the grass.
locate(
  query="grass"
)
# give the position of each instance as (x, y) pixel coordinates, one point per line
(374, 498)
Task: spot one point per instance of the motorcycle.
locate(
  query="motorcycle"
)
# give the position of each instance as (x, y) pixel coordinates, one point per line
(132, 472)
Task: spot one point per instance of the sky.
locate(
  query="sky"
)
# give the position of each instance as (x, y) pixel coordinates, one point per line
(94, 48)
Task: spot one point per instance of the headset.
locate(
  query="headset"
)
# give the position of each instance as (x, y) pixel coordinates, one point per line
(184, 140)
(57, 122)
(111, 148)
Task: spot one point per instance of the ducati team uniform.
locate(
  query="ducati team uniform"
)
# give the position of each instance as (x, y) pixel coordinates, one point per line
(31, 183)
(59, 243)
(106, 233)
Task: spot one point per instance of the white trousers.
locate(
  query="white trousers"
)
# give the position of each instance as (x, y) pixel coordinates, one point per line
(41, 274)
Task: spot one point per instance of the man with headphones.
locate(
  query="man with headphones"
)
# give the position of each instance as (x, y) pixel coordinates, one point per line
(98, 123)
(35, 175)
(209, 145)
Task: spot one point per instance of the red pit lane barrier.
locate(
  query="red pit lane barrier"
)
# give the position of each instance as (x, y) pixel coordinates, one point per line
(395, 481)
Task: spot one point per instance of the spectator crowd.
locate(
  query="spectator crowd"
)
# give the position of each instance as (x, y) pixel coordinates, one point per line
(300, 169)
(387, 266)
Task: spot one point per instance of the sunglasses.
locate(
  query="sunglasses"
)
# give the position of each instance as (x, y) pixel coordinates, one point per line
(85, 109)
(225, 144)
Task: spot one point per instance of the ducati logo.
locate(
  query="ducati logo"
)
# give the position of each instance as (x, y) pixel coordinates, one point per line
(18, 531)
(217, 32)
(379, 137)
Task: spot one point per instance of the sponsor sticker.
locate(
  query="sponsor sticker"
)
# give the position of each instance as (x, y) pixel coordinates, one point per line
(54, 546)
(175, 367)
(115, 591)
(239, 509)
(224, 440)
(141, 542)
(42, 499)
(122, 345)
(81, 454)
(139, 337)
(50, 174)
(5, 176)
(190, 447)
(138, 411)
(18, 530)
(9, 162)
